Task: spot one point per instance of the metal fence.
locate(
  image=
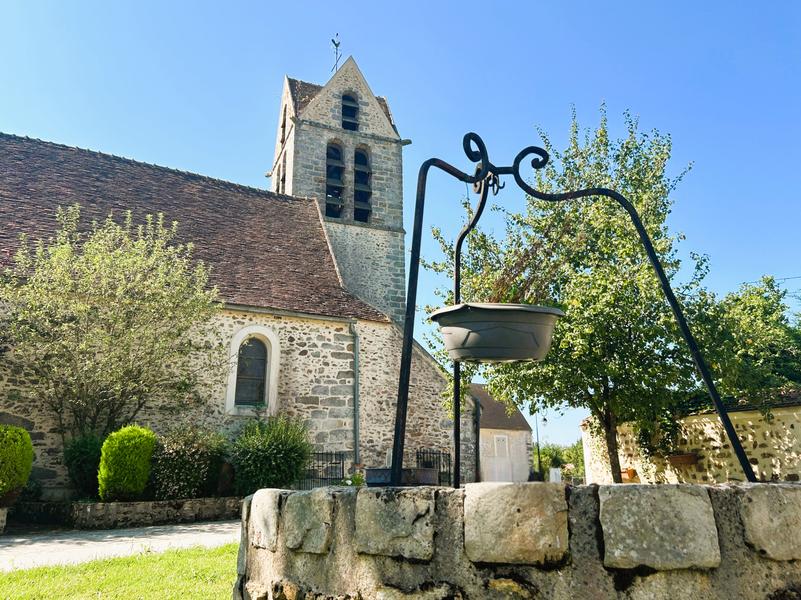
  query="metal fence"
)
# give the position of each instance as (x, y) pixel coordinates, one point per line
(436, 459)
(325, 468)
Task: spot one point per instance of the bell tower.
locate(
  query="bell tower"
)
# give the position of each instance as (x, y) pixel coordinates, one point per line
(338, 143)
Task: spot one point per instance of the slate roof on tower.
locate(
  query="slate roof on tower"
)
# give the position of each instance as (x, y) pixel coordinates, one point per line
(265, 250)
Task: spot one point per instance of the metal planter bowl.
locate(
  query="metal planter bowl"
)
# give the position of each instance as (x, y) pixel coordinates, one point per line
(490, 333)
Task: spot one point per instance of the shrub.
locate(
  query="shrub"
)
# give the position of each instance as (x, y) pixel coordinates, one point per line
(354, 480)
(125, 463)
(187, 463)
(270, 454)
(16, 462)
(82, 457)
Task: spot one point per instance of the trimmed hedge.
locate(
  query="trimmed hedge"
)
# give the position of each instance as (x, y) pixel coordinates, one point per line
(125, 463)
(16, 462)
(187, 463)
(270, 454)
(82, 457)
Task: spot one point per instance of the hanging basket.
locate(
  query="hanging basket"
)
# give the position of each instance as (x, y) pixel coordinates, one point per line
(491, 333)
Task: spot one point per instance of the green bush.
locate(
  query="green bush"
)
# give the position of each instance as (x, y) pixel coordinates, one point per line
(16, 462)
(82, 457)
(125, 463)
(270, 454)
(187, 463)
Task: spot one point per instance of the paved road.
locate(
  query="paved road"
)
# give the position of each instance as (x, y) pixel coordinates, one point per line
(69, 547)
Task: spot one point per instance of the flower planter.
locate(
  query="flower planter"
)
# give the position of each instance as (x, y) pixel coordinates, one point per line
(683, 460)
(409, 477)
(497, 332)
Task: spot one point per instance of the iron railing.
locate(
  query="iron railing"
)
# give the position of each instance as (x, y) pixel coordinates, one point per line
(325, 468)
(436, 459)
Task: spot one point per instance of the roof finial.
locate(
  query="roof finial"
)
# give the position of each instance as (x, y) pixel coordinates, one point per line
(337, 55)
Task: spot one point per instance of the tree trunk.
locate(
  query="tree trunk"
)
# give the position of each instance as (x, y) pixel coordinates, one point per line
(610, 436)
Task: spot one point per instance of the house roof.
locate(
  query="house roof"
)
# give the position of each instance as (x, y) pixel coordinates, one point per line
(303, 92)
(494, 414)
(265, 250)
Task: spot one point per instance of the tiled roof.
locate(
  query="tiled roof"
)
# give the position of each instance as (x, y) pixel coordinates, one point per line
(303, 92)
(265, 250)
(493, 413)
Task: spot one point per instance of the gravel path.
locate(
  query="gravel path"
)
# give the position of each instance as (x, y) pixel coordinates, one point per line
(70, 547)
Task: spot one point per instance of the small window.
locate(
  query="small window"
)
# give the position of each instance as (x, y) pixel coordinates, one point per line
(362, 191)
(251, 373)
(350, 113)
(283, 126)
(334, 168)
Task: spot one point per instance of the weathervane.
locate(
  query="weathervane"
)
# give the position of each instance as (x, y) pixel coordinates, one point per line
(337, 54)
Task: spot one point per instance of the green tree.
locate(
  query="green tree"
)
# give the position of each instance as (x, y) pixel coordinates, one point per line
(753, 346)
(617, 351)
(574, 455)
(107, 319)
(568, 458)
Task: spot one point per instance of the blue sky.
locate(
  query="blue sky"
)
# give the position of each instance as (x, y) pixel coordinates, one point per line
(196, 86)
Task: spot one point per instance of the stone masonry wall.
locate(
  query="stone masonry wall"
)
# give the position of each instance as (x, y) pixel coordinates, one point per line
(522, 540)
(371, 263)
(370, 255)
(315, 383)
(772, 445)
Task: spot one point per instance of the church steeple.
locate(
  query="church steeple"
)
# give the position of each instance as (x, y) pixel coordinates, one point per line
(338, 143)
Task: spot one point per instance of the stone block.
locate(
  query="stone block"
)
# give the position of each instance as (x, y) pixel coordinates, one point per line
(658, 526)
(264, 509)
(771, 516)
(395, 522)
(515, 523)
(308, 520)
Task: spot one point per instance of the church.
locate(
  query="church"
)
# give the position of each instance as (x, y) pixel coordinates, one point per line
(311, 274)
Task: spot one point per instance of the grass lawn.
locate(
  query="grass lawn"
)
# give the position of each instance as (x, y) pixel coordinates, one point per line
(206, 573)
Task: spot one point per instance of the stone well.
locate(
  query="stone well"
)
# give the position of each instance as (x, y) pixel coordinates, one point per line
(524, 540)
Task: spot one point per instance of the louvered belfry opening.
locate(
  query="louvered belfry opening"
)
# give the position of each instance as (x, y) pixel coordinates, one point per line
(334, 186)
(362, 191)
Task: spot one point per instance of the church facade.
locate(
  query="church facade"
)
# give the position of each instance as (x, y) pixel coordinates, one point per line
(311, 273)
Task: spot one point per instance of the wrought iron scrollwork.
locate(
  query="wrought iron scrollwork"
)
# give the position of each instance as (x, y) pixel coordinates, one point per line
(486, 178)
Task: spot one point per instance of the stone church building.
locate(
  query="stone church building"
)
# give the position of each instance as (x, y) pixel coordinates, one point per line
(312, 274)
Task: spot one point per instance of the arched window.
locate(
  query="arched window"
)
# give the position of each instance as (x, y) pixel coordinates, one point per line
(253, 377)
(361, 186)
(350, 113)
(334, 167)
(251, 373)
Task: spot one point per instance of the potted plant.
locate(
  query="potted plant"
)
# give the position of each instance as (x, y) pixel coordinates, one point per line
(477, 332)
(16, 462)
